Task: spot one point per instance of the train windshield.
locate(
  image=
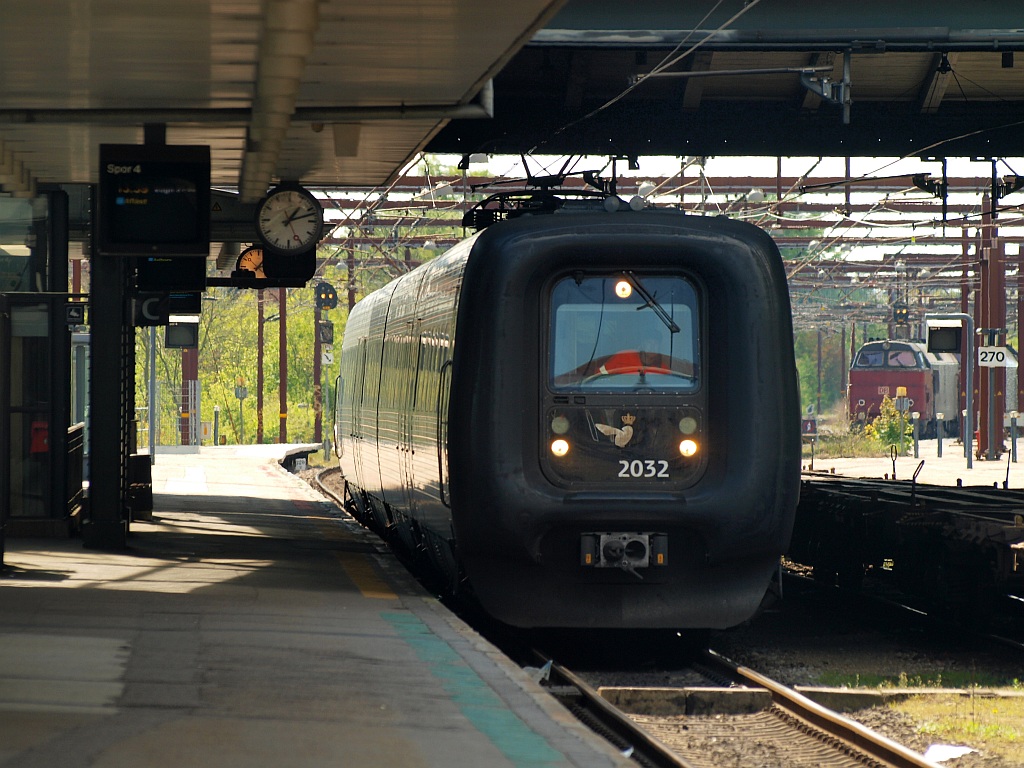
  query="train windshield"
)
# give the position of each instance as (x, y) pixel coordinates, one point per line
(898, 356)
(631, 332)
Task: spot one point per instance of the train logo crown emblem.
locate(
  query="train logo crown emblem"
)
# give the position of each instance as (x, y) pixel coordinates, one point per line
(620, 437)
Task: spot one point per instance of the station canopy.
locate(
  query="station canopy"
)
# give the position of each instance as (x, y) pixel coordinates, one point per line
(336, 93)
(322, 91)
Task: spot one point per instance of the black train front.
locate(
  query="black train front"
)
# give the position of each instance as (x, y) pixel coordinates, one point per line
(583, 419)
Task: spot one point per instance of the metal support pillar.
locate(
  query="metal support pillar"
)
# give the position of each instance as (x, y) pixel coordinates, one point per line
(260, 341)
(106, 524)
(990, 318)
(189, 425)
(966, 369)
(153, 398)
(318, 405)
(282, 371)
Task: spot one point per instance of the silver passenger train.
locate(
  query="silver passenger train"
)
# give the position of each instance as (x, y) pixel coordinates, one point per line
(581, 419)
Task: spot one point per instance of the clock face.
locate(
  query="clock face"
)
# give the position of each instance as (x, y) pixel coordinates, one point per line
(289, 220)
(251, 259)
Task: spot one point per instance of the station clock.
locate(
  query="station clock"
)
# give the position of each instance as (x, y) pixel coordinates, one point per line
(251, 260)
(289, 220)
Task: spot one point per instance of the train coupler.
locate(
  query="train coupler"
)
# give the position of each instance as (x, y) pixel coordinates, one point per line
(626, 551)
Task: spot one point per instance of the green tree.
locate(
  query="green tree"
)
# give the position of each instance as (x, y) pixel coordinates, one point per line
(805, 344)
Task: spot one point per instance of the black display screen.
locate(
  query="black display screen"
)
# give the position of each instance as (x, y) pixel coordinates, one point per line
(164, 273)
(153, 200)
(181, 335)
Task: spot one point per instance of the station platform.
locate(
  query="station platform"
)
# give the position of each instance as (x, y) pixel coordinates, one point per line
(948, 469)
(251, 623)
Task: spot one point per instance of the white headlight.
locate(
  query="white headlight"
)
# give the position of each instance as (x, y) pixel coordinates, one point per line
(688, 448)
(559, 447)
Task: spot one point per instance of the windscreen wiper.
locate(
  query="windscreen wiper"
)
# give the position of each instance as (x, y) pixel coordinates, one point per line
(653, 304)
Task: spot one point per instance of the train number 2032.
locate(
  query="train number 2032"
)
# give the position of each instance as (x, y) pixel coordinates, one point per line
(645, 468)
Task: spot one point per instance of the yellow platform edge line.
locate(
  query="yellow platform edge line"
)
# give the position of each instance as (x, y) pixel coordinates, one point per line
(358, 568)
(362, 573)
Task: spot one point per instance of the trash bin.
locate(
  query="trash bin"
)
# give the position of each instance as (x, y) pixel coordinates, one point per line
(140, 486)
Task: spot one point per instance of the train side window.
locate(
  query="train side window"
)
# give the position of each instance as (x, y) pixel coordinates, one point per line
(362, 371)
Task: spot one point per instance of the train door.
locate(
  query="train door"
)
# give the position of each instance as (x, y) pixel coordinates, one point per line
(443, 393)
(407, 443)
(356, 439)
(336, 422)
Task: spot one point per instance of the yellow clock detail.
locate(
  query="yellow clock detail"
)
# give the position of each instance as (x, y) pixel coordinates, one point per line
(251, 260)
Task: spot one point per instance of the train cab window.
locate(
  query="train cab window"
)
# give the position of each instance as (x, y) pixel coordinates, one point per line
(871, 358)
(902, 358)
(893, 357)
(621, 332)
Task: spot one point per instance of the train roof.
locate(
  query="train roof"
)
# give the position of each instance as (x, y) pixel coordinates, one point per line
(511, 204)
(918, 346)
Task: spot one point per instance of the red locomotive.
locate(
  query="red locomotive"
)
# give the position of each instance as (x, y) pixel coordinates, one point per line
(930, 379)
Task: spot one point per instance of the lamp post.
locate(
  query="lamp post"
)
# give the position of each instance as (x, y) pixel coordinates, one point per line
(902, 406)
(241, 392)
(967, 442)
(1013, 436)
(939, 418)
(916, 417)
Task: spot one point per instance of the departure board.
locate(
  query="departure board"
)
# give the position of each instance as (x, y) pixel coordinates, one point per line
(153, 200)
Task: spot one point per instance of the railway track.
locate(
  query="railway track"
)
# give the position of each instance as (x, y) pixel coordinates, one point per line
(759, 722)
(689, 728)
(957, 549)
(1004, 629)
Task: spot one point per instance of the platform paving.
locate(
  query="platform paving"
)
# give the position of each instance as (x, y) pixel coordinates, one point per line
(945, 470)
(251, 624)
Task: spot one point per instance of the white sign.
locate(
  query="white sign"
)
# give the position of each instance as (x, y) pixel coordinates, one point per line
(996, 357)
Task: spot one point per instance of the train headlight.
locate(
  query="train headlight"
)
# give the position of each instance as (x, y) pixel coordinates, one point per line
(560, 425)
(687, 425)
(688, 448)
(559, 447)
(623, 289)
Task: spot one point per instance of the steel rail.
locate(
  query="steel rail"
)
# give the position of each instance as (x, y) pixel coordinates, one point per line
(643, 744)
(879, 747)
(648, 750)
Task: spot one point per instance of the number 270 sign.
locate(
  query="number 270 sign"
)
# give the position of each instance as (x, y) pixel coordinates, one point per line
(996, 357)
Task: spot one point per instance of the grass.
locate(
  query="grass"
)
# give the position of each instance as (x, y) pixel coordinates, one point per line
(989, 724)
(949, 678)
(316, 460)
(837, 441)
(844, 445)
